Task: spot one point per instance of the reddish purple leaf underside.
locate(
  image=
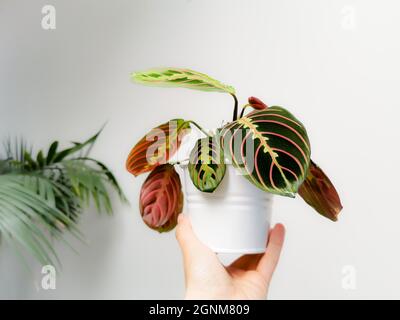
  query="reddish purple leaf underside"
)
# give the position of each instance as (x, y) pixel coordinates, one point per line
(319, 192)
(156, 147)
(161, 198)
(257, 103)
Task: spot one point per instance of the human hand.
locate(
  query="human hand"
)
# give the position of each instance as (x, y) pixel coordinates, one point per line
(246, 278)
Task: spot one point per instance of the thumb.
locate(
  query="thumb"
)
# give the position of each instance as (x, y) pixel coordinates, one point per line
(269, 260)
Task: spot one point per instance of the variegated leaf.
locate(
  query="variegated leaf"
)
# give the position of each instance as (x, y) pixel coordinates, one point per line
(206, 164)
(270, 147)
(319, 192)
(184, 78)
(161, 198)
(157, 147)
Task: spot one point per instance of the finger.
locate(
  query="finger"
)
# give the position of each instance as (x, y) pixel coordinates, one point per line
(247, 262)
(270, 259)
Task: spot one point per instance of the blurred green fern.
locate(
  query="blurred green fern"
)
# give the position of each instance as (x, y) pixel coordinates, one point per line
(42, 196)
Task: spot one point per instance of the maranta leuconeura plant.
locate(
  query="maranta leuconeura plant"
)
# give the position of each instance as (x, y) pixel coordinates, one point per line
(269, 145)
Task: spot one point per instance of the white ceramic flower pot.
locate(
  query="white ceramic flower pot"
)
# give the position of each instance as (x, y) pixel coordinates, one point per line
(235, 218)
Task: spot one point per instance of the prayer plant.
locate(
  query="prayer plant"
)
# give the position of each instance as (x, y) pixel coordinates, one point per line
(268, 145)
(42, 196)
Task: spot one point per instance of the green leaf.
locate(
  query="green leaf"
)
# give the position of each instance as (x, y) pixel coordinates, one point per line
(88, 183)
(183, 78)
(52, 152)
(40, 159)
(271, 148)
(26, 219)
(77, 147)
(206, 164)
(29, 161)
(42, 198)
(110, 176)
(4, 166)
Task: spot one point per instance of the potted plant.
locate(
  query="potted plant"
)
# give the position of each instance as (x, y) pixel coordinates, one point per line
(231, 173)
(42, 195)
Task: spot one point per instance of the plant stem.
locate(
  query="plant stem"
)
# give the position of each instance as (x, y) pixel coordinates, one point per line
(178, 162)
(200, 128)
(235, 109)
(243, 108)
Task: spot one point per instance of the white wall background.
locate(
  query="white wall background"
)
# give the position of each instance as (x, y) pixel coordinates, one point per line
(339, 75)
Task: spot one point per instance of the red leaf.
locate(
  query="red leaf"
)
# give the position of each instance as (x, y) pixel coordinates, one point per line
(156, 147)
(257, 103)
(318, 191)
(161, 198)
